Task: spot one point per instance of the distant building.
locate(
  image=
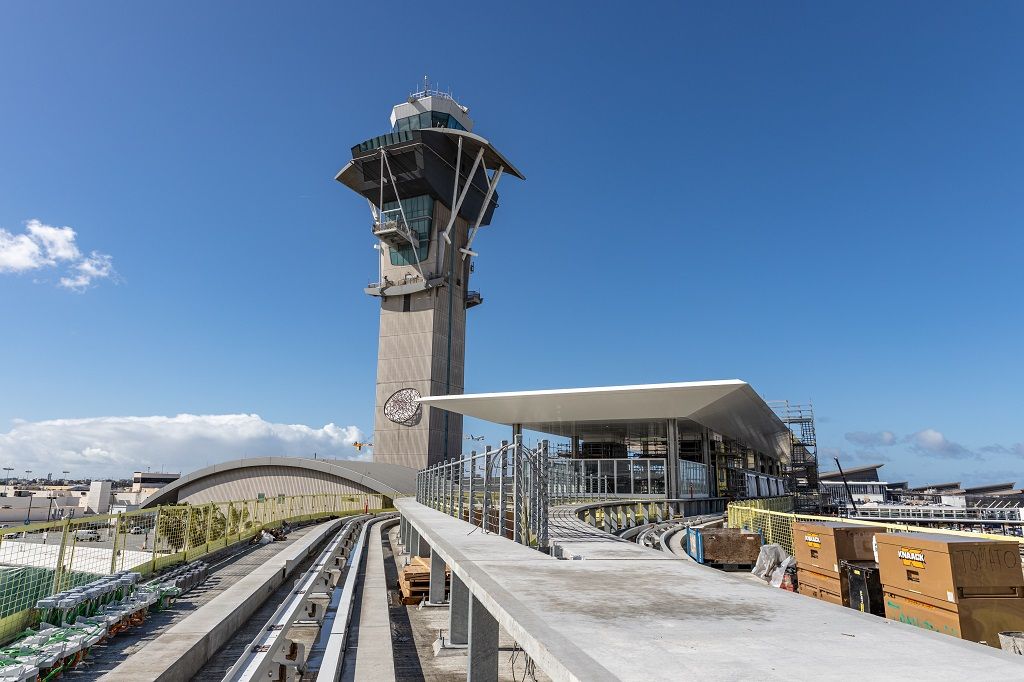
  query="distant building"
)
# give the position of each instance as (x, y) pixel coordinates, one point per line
(868, 472)
(149, 481)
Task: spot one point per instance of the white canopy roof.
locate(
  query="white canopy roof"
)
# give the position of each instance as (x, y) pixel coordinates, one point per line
(729, 407)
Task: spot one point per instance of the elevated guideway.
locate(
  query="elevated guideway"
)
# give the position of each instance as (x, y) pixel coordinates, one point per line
(626, 612)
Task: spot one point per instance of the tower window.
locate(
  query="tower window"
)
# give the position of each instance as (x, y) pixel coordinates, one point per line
(427, 119)
(419, 212)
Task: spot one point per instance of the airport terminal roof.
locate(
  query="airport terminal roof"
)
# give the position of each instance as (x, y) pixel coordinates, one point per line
(849, 471)
(729, 407)
(390, 480)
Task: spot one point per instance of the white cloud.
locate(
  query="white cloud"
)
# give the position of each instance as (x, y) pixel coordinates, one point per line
(58, 242)
(116, 446)
(1014, 449)
(872, 439)
(96, 266)
(19, 253)
(932, 442)
(45, 246)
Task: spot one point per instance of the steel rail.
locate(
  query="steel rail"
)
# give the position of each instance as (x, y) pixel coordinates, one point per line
(258, 657)
(337, 632)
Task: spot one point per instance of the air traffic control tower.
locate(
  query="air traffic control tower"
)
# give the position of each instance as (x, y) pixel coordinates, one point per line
(430, 184)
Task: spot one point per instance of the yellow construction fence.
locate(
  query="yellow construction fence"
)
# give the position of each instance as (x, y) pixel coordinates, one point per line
(767, 517)
(44, 558)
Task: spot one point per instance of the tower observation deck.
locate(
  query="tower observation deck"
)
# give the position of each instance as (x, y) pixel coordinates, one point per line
(431, 186)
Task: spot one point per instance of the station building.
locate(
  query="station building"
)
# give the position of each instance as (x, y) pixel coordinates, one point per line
(700, 438)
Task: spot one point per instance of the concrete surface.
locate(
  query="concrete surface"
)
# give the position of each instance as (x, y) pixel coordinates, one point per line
(369, 656)
(183, 649)
(658, 618)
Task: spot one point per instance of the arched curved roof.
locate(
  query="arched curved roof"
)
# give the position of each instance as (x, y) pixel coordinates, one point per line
(390, 480)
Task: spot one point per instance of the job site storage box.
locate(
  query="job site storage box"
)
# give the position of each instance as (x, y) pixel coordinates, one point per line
(821, 586)
(962, 586)
(822, 546)
(863, 587)
(723, 546)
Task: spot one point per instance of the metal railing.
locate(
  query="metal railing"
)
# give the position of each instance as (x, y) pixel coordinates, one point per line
(508, 490)
(505, 491)
(45, 558)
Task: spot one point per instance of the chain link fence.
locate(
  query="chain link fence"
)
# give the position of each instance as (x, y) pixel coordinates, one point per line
(774, 521)
(41, 559)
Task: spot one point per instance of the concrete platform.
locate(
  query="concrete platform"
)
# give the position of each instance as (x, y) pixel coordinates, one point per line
(181, 651)
(660, 619)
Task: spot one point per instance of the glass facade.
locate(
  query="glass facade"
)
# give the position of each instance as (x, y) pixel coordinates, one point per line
(428, 119)
(382, 141)
(419, 212)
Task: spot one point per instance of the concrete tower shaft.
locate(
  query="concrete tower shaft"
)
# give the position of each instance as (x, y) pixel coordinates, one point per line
(430, 184)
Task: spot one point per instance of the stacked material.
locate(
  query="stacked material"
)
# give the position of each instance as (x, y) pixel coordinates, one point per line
(820, 549)
(970, 588)
(726, 548)
(71, 622)
(414, 580)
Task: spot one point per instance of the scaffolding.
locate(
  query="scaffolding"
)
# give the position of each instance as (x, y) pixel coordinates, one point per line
(801, 470)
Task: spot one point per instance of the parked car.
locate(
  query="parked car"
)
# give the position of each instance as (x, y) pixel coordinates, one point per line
(85, 534)
(137, 530)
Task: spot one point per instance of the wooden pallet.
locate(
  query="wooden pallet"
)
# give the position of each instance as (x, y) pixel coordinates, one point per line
(414, 580)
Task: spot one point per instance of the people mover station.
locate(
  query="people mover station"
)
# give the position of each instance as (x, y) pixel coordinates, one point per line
(679, 440)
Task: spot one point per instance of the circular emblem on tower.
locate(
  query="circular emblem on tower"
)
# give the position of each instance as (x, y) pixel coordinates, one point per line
(403, 407)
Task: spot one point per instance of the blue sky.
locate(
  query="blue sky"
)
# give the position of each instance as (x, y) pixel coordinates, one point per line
(822, 199)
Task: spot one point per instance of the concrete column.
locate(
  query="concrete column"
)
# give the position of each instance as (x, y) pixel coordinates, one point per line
(414, 541)
(403, 532)
(483, 644)
(672, 461)
(422, 546)
(705, 452)
(458, 612)
(436, 578)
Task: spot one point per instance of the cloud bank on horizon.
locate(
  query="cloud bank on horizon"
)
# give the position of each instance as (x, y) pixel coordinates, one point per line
(114, 447)
(926, 456)
(41, 247)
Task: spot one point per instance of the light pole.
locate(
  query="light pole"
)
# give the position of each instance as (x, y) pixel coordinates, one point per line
(65, 476)
(7, 481)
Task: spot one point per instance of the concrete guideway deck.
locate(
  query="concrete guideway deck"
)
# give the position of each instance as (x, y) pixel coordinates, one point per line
(369, 657)
(656, 617)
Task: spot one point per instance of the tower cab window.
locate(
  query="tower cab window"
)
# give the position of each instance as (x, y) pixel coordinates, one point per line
(428, 119)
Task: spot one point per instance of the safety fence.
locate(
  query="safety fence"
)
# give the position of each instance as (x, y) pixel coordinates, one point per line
(506, 491)
(776, 525)
(45, 558)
